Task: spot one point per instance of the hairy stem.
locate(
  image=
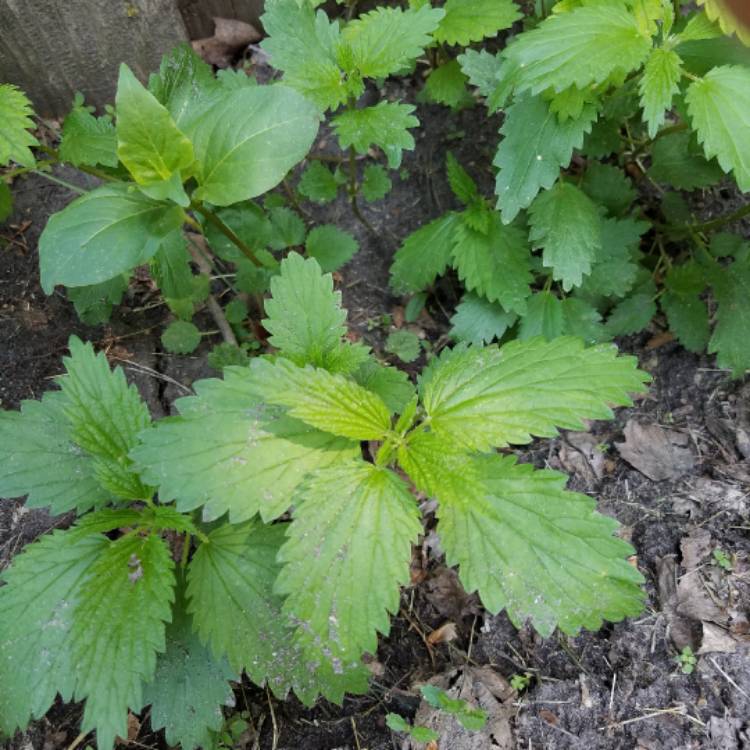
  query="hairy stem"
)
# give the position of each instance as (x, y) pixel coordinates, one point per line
(353, 190)
(227, 231)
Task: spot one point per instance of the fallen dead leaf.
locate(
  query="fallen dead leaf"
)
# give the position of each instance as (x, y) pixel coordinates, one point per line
(716, 640)
(230, 36)
(580, 453)
(444, 634)
(446, 594)
(655, 451)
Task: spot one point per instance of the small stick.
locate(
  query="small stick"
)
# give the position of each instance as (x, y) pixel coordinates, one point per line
(728, 678)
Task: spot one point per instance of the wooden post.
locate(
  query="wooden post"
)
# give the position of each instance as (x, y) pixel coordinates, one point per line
(53, 48)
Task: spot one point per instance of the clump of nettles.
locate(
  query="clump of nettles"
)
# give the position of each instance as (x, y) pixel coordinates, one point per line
(101, 612)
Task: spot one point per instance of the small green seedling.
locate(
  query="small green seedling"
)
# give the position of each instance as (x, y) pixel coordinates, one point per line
(469, 717)
(398, 723)
(519, 682)
(687, 660)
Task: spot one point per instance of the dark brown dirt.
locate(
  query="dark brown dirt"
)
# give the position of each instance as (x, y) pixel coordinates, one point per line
(617, 688)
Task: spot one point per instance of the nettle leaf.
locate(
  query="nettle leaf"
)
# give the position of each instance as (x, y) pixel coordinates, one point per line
(16, 113)
(234, 573)
(347, 553)
(686, 312)
(105, 416)
(446, 84)
(496, 265)
(719, 107)
(462, 184)
(717, 11)
(248, 140)
(608, 186)
(583, 320)
(633, 313)
(384, 125)
(102, 234)
(535, 146)
(255, 460)
(404, 345)
(376, 183)
(324, 400)
(318, 183)
(424, 255)
(477, 320)
(181, 337)
(171, 267)
(94, 303)
(482, 69)
(731, 287)
(287, 228)
(582, 47)
(385, 40)
(88, 140)
(330, 246)
(41, 460)
(699, 27)
(113, 651)
(658, 86)
(544, 317)
(491, 397)
(567, 225)
(538, 551)
(190, 686)
(392, 385)
(149, 143)
(676, 160)
(468, 21)
(304, 46)
(249, 222)
(37, 603)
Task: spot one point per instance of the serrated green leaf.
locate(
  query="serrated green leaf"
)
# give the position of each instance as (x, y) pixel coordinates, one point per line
(318, 184)
(535, 146)
(608, 186)
(731, 287)
(236, 311)
(538, 551)
(376, 183)
(327, 401)
(424, 255)
(496, 265)
(255, 460)
(248, 140)
(392, 385)
(719, 107)
(384, 125)
(38, 602)
(717, 11)
(88, 140)
(632, 314)
(234, 573)
(677, 161)
(15, 114)
(404, 345)
(190, 686)
(304, 46)
(567, 225)
(479, 321)
(468, 21)
(287, 228)
(385, 40)
(658, 86)
(462, 185)
(688, 319)
(171, 267)
(582, 47)
(94, 303)
(603, 140)
(700, 26)
(347, 553)
(485, 397)
(446, 84)
(102, 234)
(331, 247)
(149, 144)
(249, 222)
(583, 320)
(482, 69)
(544, 317)
(181, 337)
(227, 355)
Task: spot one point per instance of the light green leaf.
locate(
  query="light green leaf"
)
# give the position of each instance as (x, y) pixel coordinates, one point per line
(582, 47)
(482, 69)
(39, 458)
(658, 86)
(566, 224)
(181, 337)
(190, 686)
(544, 317)
(328, 401)
(255, 460)
(731, 287)
(490, 397)
(15, 115)
(88, 140)
(248, 140)
(385, 40)
(304, 46)
(535, 146)
(496, 265)
(541, 553)
(404, 345)
(719, 107)
(318, 184)
(678, 161)
(384, 125)
(700, 26)
(102, 234)
(149, 143)
(234, 573)
(462, 184)
(392, 385)
(347, 552)
(118, 628)
(468, 21)
(38, 602)
(287, 228)
(608, 186)
(424, 255)
(171, 267)
(717, 11)
(105, 416)
(376, 183)
(331, 247)
(478, 320)
(446, 84)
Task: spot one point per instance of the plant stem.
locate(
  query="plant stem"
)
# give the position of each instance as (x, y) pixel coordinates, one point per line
(720, 221)
(353, 190)
(227, 231)
(57, 180)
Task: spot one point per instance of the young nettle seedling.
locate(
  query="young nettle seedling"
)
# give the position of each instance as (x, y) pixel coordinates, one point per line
(687, 660)
(321, 432)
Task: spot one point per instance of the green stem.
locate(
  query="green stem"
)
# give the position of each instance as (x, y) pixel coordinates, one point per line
(227, 231)
(65, 184)
(708, 226)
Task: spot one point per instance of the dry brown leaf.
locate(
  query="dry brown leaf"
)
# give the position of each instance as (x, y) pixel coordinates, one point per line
(446, 594)
(230, 36)
(444, 634)
(656, 452)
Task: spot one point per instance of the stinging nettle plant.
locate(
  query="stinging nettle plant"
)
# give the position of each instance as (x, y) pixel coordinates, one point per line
(269, 526)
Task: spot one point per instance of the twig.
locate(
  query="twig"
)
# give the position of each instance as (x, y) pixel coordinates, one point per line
(675, 710)
(728, 678)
